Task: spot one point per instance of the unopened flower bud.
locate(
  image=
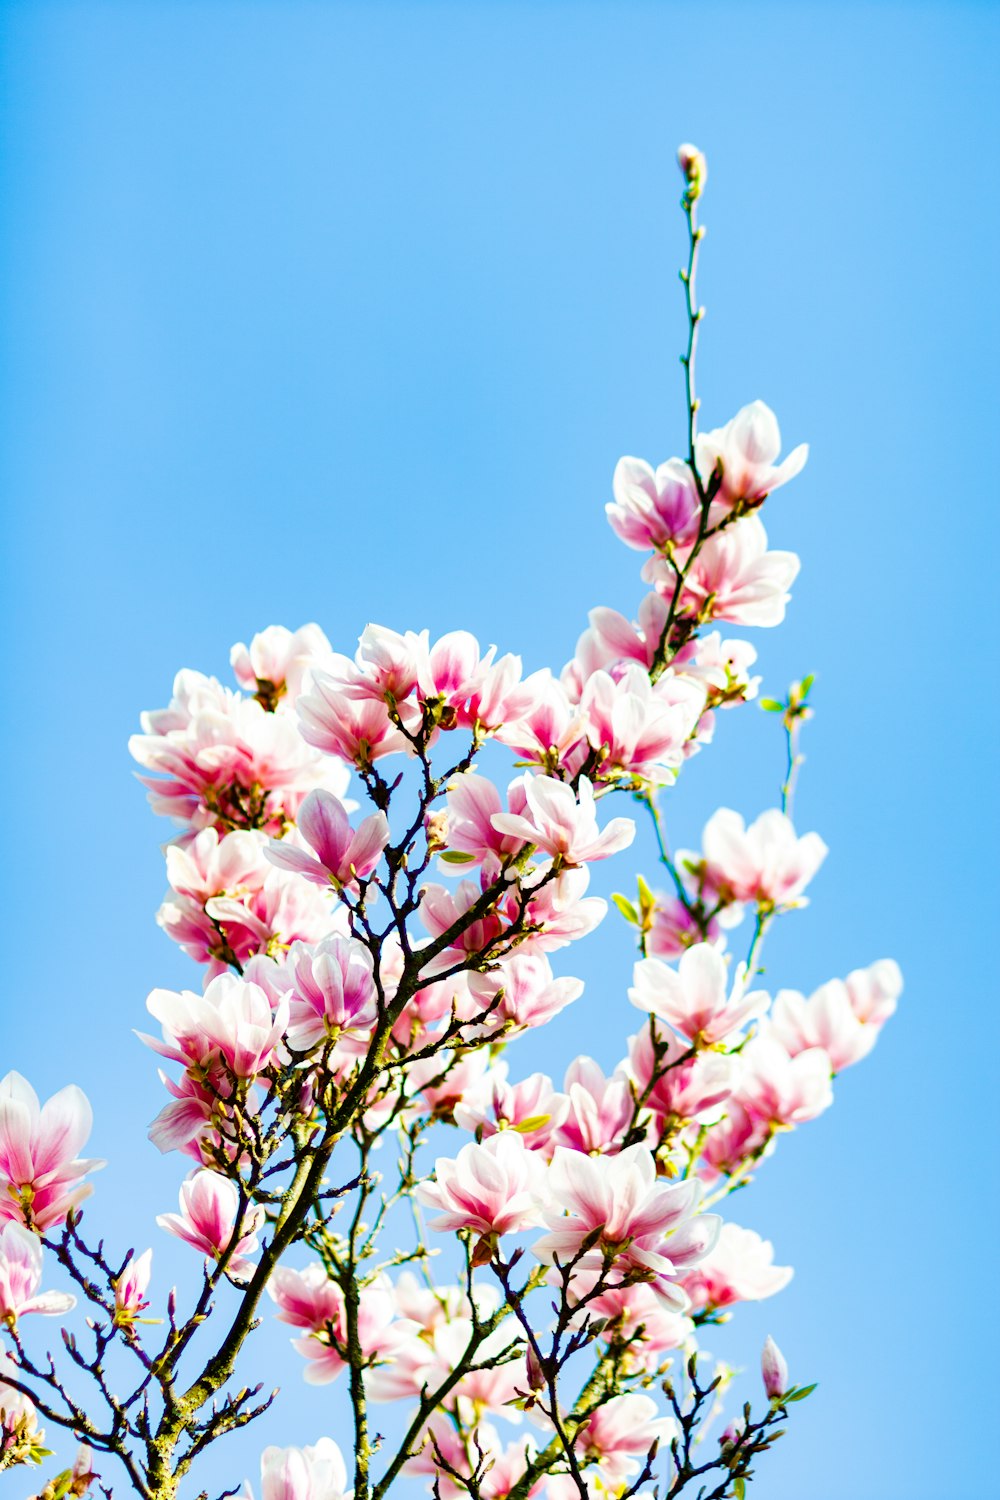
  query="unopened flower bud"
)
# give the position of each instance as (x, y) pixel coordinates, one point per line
(773, 1369)
(695, 168)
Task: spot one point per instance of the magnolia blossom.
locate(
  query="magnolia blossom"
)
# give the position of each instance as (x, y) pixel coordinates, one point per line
(21, 1276)
(39, 1170)
(636, 1316)
(598, 1110)
(210, 1208)
(637, 726)
(780, 1089)
(650, 1231)
(495, 1188)
(675, 1086)
(334, 991)
(231, 1022)
(473, 801)
(531, 1107)
(316, 1473)
(744, 453)
(738, 1269)
(341, 855)
(309, 1299)
(622, 1430)
(654, 508)
(694, 998)
(827, 1019)
(774, 1370)
(276, 662)
(130, 1288)
(223, 761)
(548, 731)
(521, 992)
(674, 929)
(358, 730)
(873, 992)
(733, 577)
(564, 824)
(767, 863)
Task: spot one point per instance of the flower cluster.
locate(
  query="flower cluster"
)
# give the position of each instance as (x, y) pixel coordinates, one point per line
(379, 863)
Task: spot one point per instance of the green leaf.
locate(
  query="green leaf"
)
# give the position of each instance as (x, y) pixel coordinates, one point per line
(739, 1488)
(457, 857)
(807, 683)
(772, 706)
(533, 1122)
(626, 908)
(800, 1395)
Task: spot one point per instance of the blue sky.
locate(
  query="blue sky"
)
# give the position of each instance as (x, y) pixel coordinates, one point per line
(345, 312)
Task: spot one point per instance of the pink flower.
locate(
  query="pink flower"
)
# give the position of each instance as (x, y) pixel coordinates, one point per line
(766, 863)
(739, 1269)
(284, 910)
(637, 726)
(343, 856)
(186, 1120)
(780, 1089)
(598, 1110)
(316, 1473)
(650, 1230)
(232, 1022)
(722, 666)
(21, 1276)
(612, 641)
(334, 992)
(560, 912)
(529, 994)
(745, 451)
(825, 1020)
(39, 1170)
(452, 668)
(224, 761)
(873, 992)
(497, 695)
(441, 910)
(735, 1139)
(210, 1207)
(493, 1189)
(214, 864)
(653, 508)
(358, 730)
(309, 1300)
(274, 665)
(130, 1288)
(531, 1107)
(694, 998)
(563, 824)
(674, 929)
(774, 1370)
(547, 731)
(636, 1313)
(620, 1431)
(677, 1091)
(391, 663)
(472, 803)
(733, 577)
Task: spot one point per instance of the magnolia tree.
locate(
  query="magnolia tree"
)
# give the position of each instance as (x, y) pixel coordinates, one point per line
(366, 969)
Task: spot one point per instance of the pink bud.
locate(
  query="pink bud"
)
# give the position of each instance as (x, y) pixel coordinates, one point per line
(694, 166)
(774, 1369)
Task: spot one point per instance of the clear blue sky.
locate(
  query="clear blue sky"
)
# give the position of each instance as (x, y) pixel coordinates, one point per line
(335, 312)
